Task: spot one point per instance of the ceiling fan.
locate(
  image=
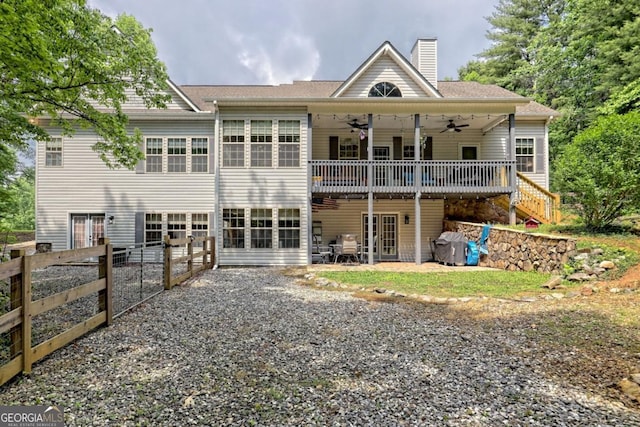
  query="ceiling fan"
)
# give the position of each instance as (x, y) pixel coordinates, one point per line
(357, 125)
(451, 127)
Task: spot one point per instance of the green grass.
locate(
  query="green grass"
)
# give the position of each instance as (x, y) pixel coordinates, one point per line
(497, 284)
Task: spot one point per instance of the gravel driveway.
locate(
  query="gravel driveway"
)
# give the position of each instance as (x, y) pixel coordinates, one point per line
(250, 347)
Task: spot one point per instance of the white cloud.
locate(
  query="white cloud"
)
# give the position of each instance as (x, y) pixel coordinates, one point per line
(290, 56)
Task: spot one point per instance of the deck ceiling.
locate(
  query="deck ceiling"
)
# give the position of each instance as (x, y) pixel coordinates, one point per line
(405, 122)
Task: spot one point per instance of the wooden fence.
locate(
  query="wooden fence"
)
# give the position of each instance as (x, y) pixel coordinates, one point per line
(180, 253)
(18, 321)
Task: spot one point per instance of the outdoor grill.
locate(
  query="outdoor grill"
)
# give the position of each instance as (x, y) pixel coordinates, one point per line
(450, 248)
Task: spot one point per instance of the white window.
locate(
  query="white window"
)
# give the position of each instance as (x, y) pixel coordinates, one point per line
(177, 225)
(176, 154)
(233, 143)
(289, 143)
(349, 149)
(233, 228)
(154, 154)
(288, 228)
(199, 155)
(153, 227)
(261, 228)
(261, 143)
(199, 224)
(524, 154)
(53, 152)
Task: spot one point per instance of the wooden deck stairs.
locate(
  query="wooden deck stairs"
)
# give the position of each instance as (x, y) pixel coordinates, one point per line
(533, 201)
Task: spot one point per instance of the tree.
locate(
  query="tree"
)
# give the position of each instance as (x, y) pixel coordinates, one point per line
(599, 171)
(64, 61)
(19, 210)
(507, 61)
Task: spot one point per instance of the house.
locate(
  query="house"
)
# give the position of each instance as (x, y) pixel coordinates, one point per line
(382, 155)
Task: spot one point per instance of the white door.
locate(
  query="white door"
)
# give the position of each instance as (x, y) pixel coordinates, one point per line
(86, 229)
(385, 236)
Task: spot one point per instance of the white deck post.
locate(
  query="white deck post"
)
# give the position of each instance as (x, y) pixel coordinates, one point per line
(417, 178)
(512, 170)
(370, 189)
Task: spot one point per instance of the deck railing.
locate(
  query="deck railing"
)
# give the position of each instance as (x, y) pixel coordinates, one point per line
(399, 176)
(537, 202)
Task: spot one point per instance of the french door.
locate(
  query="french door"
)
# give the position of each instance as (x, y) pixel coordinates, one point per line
(86, 229)
(385, 236)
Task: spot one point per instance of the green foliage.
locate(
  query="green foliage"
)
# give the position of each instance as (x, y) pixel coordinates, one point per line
(17, 211)
(599, 172)
(59, 59)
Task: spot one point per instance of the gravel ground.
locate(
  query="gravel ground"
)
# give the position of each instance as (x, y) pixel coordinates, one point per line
(251, 347)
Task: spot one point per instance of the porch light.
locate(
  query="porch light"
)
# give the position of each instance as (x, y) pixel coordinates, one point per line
(111, 218)
(406, 219)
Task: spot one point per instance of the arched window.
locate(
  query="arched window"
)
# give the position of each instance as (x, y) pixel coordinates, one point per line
(384, 90)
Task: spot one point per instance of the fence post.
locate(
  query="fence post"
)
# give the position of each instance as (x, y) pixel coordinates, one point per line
(16, 301)
(190, 260)
(167, 262)
(212, 251)
(205, 245)
(105, 271)
(26, 315)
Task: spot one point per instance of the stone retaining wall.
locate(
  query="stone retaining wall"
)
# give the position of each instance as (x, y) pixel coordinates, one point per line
(517, 250)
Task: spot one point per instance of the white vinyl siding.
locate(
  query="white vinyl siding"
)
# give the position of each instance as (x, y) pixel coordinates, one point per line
(385, 70)
(424, 56)
(120, 193)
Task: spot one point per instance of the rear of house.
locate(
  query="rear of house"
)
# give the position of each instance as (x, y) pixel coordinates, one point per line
(277, 173)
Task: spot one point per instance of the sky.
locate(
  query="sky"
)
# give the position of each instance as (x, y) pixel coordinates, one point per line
(272, 42)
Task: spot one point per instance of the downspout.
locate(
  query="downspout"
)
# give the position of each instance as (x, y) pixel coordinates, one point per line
(216, 199)
(309, 191)
(546, 152)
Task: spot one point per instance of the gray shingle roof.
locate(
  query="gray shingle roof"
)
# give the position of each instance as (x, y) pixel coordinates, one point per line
(324, 89)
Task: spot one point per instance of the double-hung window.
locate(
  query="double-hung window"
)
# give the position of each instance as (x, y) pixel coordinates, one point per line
(199, 224)
(199, 154)
(53, 150)
(153, 228)
(524, 154)
(176, 154)
(261, 228)
(233, 228)
(349, 149)
(289, 143)
(261, 143)
(289, 228)
(154, 154)
(233, 143)
(177, 225)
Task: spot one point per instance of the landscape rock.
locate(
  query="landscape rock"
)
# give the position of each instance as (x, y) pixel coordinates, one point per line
(608, 265)
(579, 277)
(630, 388)
(553, 283)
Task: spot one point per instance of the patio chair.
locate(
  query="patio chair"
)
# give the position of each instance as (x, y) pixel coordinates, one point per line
(346, 248)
